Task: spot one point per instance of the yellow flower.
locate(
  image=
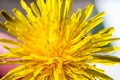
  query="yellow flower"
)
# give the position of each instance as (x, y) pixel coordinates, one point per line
(55, 45)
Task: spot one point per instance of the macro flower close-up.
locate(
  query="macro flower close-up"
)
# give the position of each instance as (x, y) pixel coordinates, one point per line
(53, 44)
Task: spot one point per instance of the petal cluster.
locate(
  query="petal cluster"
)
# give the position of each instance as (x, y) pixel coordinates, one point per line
(55, 45)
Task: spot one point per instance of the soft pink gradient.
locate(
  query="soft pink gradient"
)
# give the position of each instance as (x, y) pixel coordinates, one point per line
(5, 68)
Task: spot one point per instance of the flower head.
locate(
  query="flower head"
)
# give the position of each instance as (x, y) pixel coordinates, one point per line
(55, 45)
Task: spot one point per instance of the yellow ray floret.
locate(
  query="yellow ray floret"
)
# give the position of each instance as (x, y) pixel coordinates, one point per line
(55, 45)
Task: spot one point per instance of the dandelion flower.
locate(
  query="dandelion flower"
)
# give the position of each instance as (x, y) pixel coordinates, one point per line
(55, 45)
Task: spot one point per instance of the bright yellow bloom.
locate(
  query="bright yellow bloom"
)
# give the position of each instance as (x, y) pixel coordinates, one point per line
(54, 45)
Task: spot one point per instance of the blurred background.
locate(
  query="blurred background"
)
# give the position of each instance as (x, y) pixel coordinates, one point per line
(111, 19)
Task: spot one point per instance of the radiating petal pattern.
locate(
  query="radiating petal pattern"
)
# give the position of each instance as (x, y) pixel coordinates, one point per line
(55, 45)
